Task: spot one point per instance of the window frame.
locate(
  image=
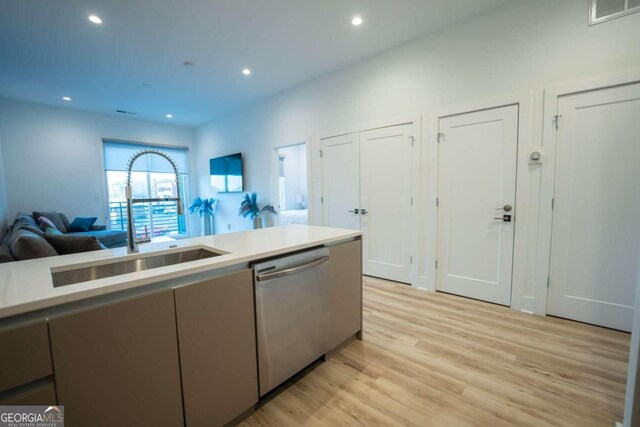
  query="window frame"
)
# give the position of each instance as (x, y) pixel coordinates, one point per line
(184, 180)
(593, 8)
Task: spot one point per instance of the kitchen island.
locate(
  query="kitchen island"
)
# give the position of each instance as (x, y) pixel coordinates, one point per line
(166, 345)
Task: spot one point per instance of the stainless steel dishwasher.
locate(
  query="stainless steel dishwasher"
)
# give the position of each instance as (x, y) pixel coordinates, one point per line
(292, 314)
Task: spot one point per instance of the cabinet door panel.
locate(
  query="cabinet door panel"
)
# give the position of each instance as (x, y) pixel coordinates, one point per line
(216, 331)
(45, 395)
(118, 364)
(24, 355)
(346, 290)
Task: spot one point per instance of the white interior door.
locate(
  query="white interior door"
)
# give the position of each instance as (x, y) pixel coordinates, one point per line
(341, 181)
(476, 185)
(385, 165)
(595, 241)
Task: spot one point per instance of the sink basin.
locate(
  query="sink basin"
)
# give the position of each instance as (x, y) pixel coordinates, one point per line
(116, 268)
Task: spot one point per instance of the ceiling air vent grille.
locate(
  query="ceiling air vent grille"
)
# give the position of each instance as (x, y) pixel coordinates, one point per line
(604, 10)
(132, 113)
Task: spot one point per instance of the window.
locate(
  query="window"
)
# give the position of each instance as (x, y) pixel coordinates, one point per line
(152, 177)
(604, 10)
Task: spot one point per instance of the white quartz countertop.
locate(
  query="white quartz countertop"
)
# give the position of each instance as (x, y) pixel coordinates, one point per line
(27, 286)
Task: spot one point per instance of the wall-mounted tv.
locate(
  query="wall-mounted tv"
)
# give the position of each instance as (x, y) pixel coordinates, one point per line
(226, 174)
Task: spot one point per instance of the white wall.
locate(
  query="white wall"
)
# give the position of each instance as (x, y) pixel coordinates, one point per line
(523, 46)
(54, 161)
(3, 196)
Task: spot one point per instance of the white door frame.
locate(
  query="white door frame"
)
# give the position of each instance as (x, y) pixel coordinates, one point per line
(551, 95)
(429, 193)
(275, 193)
(414, 119)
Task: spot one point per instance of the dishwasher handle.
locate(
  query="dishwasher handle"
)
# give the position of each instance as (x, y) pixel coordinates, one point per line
(292, 270)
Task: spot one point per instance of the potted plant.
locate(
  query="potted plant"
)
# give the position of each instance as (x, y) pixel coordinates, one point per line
(206, 208)
(249, 209)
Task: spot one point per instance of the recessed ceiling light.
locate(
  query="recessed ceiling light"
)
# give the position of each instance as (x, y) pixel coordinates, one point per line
(356, 21)
(95, 19)
(66, 98)
(169, 116)
(246, 71)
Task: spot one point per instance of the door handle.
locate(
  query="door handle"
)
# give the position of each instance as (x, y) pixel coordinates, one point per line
(292, 270)
(506, 208)
(355, 211)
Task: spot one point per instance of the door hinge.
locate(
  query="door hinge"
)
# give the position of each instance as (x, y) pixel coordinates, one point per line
(553, 203)
(321, 199)
(556, 119)
(413, 140)
(321, 153)
(437, 201)
(412, 201)
(440, 137)
(436, 264)
(410, 260)
(548, 280)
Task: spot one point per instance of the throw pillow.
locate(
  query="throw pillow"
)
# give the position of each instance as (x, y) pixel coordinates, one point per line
(46, 223)
(27, 245)
(65, 220)
(53, 231)
(73, 244)
(81, 224)
(54, 217)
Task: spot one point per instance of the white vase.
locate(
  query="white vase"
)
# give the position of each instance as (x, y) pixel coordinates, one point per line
(257, 222)
(207, 224)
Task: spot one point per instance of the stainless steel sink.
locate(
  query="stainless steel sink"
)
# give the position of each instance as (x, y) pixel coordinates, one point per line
(116, 268)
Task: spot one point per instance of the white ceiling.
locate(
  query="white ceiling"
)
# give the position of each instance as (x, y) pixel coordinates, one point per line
(49, 49)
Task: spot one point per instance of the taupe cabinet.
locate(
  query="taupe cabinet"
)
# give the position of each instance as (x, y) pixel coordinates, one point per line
(25, 365)
(346, 291)
(168, 358)
(216, 330)
(118, 364)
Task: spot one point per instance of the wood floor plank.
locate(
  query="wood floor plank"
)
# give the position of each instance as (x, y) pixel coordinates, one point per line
(433, 359)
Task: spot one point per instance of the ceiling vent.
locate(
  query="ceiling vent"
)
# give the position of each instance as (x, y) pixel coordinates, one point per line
(131, 113)
(604, 10)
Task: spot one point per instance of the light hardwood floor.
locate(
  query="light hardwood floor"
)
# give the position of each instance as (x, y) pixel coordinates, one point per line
(431, 359)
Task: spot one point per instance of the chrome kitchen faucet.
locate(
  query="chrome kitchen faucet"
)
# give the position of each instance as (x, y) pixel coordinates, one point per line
(132, 243)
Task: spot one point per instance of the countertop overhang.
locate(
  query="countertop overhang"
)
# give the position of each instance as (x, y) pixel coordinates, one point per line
(26, 286)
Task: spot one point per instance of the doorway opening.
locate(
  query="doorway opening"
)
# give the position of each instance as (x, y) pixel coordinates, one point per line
(292, 190)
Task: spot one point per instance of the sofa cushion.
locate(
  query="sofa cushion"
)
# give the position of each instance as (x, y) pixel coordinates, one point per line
(34, 230)
(5, 254)
(27, 245)
(25, 219)
(27, 223)
(54, 217)
(7, 237)
(66, 244)
(81, 224)
(109, 238)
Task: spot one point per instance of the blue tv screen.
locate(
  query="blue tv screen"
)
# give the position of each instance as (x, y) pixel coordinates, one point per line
(226, 174)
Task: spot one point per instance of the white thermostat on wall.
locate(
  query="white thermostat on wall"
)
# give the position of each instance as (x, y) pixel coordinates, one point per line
(535, 156)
